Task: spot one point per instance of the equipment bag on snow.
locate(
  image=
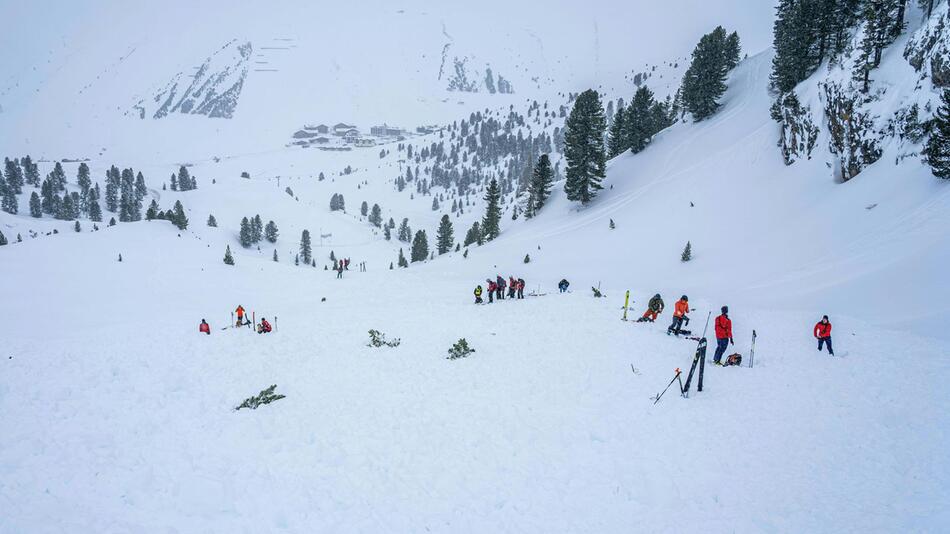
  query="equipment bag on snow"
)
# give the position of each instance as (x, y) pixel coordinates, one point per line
(734, 359)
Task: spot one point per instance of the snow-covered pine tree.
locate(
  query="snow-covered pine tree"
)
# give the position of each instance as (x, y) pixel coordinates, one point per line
(687, 253)
(36, 209)
(8, 199)
(420, 247)
(445, 235)
(405, 233)
(31, 171)
(59, 177)
(387, 232)
(617, 141)
(3, 239)
(638, 123)
(179, 218)
(85, 184)
(257, 229)
(540, 187)
(95, 212)
(435, 203)
(376, 216)
(246, 235)
(140, 189)
(112, 188)
(474, 235)
(527, 258)
(705, 79)
(492, 218)
(584, 148)
(732, 50)
(212, 222)
(402, 259)
(152, 211)
(364, 208)
(14, 176)
(77, 227)
(305, 247)
(275, 255)
(938, 146)
(228, 258)
(271, 232)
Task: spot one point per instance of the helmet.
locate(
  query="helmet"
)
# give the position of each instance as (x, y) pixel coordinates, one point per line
(725, 309)
(684, 297)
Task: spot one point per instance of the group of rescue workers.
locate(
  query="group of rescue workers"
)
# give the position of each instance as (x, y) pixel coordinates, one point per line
(496, 289)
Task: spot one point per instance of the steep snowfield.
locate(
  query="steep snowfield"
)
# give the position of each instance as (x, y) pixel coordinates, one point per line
(118, 417)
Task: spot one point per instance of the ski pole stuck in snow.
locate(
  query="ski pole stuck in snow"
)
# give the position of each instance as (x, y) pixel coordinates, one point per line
(676, 377)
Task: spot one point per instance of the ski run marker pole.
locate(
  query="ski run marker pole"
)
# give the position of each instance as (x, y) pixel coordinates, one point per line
(752, 351)
(626, 303)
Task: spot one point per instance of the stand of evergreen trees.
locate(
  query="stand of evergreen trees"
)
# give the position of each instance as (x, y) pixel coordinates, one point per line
(705, 80)
(584, 148)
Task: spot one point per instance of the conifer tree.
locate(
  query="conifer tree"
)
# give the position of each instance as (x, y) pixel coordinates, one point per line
(246, 235)
(185, 182)
(85, 184)
(95, 212)
(445, 235)
(3, 239)
(705, 79)
(212, 222)
(618, 140)
(584, 148)
(435, 203)
(36, 209)
(364, 208)
(305, 248)
(179, 218)
(59, 177)
(8, 200)
(420, 247)
(257, 229)
(140, 189)
(405, 233)
(402, 259)
(270, 232)
(938, 146)
(31, 172)
(732, 51)
(492, 218)
(387, 232)
(14, 176)
(639, 127)
(77, 227)
(228, 258)
(152, 211)
(112, 189)
(275, 254)
(687, 253)
(540, 187)
(376, 216)
(474, 235)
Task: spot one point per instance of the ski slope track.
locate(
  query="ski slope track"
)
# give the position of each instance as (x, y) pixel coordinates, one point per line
(116, 415)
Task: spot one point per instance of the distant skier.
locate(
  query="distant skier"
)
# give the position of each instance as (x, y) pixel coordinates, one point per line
(500, 282)
(492, 289)
(240, 315)
(346, 264)
(563, 285)
(680, 309)
(723, 334)
(823, 334)
(339, 270)
(264, 327)
(204, 327)
(478, 294)
(654, 308)
(512, 287)
(521, 288)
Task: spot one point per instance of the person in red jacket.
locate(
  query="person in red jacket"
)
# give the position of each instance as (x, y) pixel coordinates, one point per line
(823, 334)
(264, 327)
(723, 335)
(204, 327)
(492, 288)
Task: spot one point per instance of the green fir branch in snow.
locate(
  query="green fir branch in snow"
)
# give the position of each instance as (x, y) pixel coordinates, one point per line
(378, 339)
(460, 350)
(266, 396)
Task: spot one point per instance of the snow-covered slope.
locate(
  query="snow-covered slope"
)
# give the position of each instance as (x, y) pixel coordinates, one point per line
(119, 417)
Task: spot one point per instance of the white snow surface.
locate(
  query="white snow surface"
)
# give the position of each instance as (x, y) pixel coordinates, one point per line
(117, 416)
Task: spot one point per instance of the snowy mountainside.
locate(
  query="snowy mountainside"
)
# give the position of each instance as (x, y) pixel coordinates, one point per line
(214, 90)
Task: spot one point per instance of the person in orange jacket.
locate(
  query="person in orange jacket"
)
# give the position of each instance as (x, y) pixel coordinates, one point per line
(240, 314)
(823, 334)
(204, 327)
(680, 309)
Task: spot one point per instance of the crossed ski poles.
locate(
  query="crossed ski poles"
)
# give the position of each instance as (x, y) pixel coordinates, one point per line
(675, 378)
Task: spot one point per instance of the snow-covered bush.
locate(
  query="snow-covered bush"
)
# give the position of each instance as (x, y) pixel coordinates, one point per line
(459, 350)
(378, 339)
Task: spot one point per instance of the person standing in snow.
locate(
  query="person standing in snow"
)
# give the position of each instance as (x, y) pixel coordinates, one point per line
(521, 288)
(339, 270)
(512, 287)
(492, 288)
(500, 283)
(563, 285)
(240, 314)
(823, 334)
(654, 308)
(680, 309)
(723, 335)
(478, 294)
(204, 327)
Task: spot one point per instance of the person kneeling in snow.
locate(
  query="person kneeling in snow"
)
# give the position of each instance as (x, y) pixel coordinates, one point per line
(264, 327)
(204, 327)
(563, 285)
(823, 334)
(654, 308)
(680, 309)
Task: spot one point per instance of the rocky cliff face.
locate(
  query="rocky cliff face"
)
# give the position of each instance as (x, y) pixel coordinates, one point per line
(929, 49)
(213, 91)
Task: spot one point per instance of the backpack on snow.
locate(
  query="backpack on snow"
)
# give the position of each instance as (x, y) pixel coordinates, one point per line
(734, 359)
